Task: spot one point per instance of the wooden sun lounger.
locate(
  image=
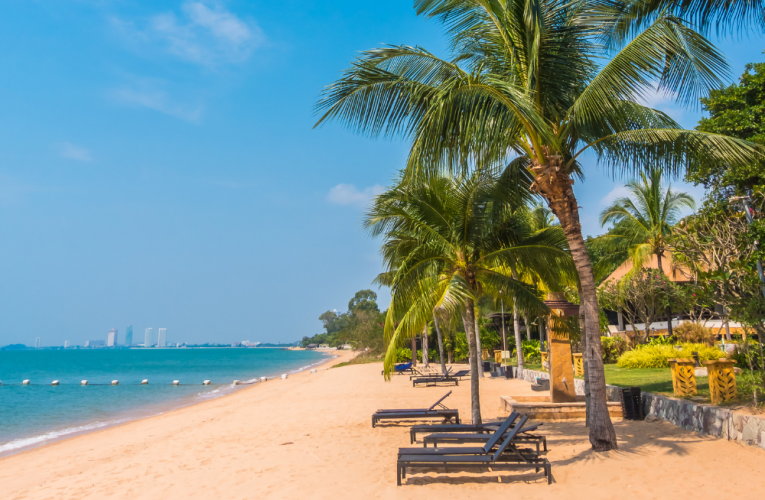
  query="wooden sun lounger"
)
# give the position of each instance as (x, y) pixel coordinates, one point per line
(492, 440)
(485, 428)
(438, 410)
(434, 380)
(482, 437)
(498, 460)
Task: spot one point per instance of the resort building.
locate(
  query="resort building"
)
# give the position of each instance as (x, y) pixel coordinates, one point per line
(95, 343)
(38, 342)
(129, 336)
(147, 337)
(111, 339)
(162, 338)
(66, 344)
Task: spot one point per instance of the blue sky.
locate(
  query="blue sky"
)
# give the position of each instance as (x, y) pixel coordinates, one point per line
(158, 165)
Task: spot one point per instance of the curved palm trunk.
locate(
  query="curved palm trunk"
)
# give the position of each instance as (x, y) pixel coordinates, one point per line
(468, 319)
(440, 344)
(528, 325)
(478, 348)
(555, 186)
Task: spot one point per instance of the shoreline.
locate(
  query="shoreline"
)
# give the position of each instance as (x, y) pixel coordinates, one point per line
(151, 411)
(310, 436)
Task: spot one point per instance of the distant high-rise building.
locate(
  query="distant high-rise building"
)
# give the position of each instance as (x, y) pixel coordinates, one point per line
(162, 338)
(111, 339)
(147, 338)
(95, 343)
(38, 342)
(129, 336)
(66, 344)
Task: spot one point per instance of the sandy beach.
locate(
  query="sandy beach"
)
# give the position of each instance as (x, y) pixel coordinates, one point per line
(310, 436)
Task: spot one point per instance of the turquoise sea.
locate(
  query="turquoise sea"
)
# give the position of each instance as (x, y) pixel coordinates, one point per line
(37, 413)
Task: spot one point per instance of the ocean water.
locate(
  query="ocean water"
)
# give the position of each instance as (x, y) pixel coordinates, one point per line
(37, 413)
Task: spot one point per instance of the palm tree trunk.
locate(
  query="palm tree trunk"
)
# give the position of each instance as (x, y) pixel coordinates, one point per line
(468, 319)
(669, 307)
(518, 338)
(583, 342)
(478, 348)
(517, 328)
(557, 189)
(425, 358)
(528, 325)
(440, 344)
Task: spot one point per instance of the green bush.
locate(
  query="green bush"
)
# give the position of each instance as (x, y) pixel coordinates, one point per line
(613, 347)
(403, 355)
(432, 355)
(657, 356)
(694, 332)
(531, 350)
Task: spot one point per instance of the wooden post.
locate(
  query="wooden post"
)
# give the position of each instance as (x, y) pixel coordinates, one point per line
(545, 361)
(683, 377)
(578, 364)
(722, 380)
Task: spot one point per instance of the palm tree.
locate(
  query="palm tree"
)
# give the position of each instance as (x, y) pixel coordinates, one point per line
(523, 86)
(446, 241)
(643, 221)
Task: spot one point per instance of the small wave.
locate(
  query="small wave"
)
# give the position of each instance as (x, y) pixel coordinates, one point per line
(48, 436)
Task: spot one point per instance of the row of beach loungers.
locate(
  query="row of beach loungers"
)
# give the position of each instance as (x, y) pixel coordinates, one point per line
(506, 445)
(430, 376)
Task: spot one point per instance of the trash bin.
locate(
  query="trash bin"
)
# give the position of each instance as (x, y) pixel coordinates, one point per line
(632, 403)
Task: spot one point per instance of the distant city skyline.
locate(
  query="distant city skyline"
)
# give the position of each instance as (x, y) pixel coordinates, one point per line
(129, 335)
(162, 337)
(111, 338)
(147, 338)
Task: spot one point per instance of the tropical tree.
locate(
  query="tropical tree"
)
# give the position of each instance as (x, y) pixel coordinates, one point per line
(446, 240)
(643, 221)
(524, 87)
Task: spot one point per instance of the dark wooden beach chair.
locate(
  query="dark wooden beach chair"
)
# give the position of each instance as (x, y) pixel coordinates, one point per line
(495, 460)
(485, 428)
(401, 368)
(435, 380)
(492, 441)
(482, 437)
(436, 411)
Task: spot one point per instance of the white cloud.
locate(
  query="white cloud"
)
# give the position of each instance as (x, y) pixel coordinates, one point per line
(348, 194)
(73, 152)
(617, 192)
(148, 94)
(667, 103)
(204, 33)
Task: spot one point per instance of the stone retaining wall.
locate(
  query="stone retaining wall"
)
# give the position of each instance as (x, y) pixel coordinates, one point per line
(612, 392)
(706, 419)
(702, 418)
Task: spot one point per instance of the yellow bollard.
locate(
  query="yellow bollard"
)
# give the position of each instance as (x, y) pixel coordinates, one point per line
(484, 354)
(498, 357)
(722, 380)
(578, 364)
(544, 360)
(683, 377)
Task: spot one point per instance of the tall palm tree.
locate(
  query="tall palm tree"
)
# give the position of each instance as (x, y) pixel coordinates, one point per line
(446, 241)
(643, 221)
(524, 86)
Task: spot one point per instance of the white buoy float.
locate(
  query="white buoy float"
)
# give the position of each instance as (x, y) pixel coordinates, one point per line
(284, 376)
(176, 382)
(115, 382)
(84, 382)
(313, 370)
(263, 379)
(206, 382)
(144, 381)
(25, 382)
(55, 382)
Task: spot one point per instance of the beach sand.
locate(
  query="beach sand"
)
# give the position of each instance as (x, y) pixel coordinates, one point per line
(310, 436)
